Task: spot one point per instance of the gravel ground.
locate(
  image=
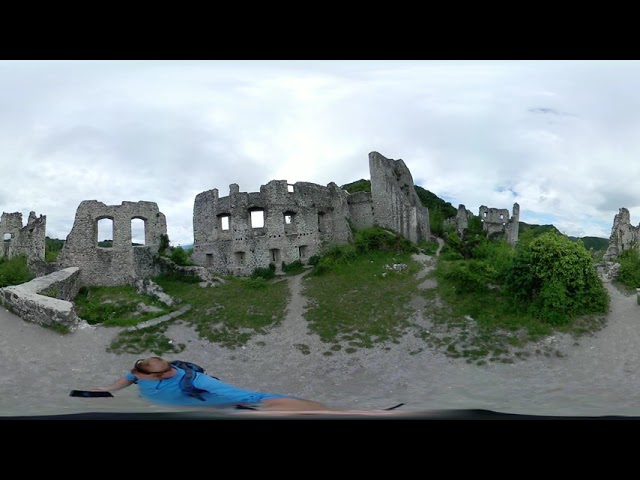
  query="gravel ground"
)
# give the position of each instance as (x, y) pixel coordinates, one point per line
(596, 376)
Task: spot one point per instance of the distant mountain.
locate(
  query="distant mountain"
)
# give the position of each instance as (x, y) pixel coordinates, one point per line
(536, 229)
(185, 247)
(596, 243)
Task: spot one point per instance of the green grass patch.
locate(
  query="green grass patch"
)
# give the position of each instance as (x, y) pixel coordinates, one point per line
(231, 313)
(150, 339)
(364, 301)
(118, 306)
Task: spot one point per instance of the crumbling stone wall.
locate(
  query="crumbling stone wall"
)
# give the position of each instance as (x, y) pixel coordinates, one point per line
(46, 300)
(624, 236)
(461, 221)
(28, 240)
(123, 263)
(396, 204)
(360, 210)
(496, 222)
(300, 218)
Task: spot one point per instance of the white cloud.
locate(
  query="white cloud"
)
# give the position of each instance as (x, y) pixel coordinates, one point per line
(558, 137)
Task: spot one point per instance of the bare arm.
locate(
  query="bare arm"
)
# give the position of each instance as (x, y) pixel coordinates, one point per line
(117, 385)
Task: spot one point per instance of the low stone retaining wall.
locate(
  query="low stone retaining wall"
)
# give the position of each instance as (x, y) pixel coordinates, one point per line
(46, 300)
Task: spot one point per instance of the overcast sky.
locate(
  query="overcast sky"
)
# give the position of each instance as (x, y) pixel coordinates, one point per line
(560, 138)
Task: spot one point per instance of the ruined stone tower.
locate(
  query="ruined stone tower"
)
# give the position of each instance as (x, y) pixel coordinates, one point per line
(624, 236)
(29, 240)
(496, 222)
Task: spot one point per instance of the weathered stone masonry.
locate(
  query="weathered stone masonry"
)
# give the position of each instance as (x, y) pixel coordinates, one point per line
(28, 240)
(624, 236)
(495, 222)
(300, 218)
(123, 263)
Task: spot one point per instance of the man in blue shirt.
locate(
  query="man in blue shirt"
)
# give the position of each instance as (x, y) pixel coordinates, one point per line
(159, 382)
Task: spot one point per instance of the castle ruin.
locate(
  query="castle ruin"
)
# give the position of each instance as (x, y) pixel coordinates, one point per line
(122, 263)
(495, 222)
(291, 222)
(236, 234)
(28, 240)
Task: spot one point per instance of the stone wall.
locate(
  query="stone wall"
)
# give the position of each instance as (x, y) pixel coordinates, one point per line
(123, 263)
(300, 218)
(396, 204)
(361, 210)
(297, 219)
(624, 236)
(461, 220)
(496, 222)
(28, 240)
(46, 300)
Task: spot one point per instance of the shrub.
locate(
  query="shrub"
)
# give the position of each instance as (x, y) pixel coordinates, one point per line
(293, 268)
(558, 278)
(428, 247)
(14, 271)
(629, 272)
(164, 243)
(314, 260)
(180, 256)
(266, 273)
(472, 276)
(379, 239)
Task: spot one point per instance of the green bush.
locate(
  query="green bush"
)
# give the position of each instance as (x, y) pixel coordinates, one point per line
(428, 247)
(293, 268)
(52, 248)
(557, 279)
(379, 239)
(180, 256)
(629, 272)
(266, 273)
(314, 260)
(14, 271)
(436, 221)
(164, 243)
(472, 276)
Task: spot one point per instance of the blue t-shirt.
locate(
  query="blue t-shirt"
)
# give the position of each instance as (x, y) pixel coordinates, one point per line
(167, 391)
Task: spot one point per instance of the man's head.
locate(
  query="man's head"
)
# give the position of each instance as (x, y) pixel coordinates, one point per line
(153, 367)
